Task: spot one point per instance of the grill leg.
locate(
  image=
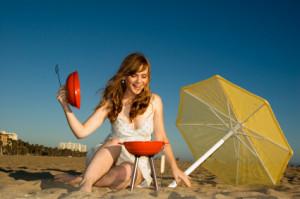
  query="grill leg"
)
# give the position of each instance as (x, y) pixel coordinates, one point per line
(133, 175)
(153, 172)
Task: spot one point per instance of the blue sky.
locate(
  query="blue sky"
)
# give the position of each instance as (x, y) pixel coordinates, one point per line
(254, 44)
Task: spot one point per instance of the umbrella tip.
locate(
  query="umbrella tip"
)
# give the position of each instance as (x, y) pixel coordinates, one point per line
(266, 102)
(218, 76)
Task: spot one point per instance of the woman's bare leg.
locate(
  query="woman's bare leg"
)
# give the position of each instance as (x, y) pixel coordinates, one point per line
(102, 161)
(119, 177)
(68, 178)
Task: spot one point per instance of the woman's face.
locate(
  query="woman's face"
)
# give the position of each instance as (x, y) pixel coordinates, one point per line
(136, 82)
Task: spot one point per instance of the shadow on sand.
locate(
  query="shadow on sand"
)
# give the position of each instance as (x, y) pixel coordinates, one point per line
(46, 178)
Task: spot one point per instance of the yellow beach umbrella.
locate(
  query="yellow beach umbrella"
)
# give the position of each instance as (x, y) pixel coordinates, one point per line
(233, 132)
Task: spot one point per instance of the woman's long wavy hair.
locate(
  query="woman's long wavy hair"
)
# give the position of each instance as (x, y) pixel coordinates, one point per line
(115, 88)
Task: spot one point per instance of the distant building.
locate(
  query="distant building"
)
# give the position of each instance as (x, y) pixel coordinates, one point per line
(3, 139)
(73, 146)
(5, 136)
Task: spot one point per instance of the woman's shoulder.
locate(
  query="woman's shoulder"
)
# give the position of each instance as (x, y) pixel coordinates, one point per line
(155, 97)
(104, 105)
(156, 100)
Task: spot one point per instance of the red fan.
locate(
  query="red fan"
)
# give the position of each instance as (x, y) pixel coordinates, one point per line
(73, 87)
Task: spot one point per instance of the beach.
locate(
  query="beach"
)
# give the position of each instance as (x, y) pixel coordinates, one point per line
(32, 177)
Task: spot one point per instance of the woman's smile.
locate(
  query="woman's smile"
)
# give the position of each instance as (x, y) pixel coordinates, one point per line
(137, 81)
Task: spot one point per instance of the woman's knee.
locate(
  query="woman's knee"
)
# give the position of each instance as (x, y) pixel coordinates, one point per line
(127, 174)
(125, 171)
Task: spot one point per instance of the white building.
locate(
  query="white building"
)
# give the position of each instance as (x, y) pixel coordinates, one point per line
(73, 146)
(11, 135)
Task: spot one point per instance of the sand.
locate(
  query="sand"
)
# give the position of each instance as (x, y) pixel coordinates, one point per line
(32, 177)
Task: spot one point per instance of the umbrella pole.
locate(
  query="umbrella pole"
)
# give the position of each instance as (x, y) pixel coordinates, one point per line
(205, 156)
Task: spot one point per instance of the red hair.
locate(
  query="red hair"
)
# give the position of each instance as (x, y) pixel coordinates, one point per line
(115, 89)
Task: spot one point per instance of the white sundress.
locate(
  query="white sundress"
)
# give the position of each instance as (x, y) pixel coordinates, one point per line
(125, 131)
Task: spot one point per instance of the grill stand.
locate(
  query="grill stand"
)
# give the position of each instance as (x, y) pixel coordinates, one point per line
(134, 171)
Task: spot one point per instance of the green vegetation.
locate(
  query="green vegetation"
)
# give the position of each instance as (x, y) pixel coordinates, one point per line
(19, 147)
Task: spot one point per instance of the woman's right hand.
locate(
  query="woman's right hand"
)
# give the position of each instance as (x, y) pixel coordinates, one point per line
(62, 94)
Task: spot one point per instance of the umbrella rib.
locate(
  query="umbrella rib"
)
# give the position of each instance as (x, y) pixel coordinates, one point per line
(228, 107)
(214, 110)
(253, 113)
(246, 145)
(237, 150)
(213, 126)
(256, 155)
(201, 124)
(218, 117)
(257, 135)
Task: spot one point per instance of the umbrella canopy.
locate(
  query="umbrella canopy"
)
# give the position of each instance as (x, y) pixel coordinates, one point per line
(254, 151)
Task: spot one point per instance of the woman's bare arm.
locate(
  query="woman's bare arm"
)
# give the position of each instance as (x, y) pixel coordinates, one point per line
(81, 130)
(160, 134)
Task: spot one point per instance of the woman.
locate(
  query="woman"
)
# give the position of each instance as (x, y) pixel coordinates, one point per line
(135, 113)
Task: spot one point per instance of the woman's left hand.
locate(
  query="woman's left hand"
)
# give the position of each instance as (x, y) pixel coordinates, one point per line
(179, 175)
